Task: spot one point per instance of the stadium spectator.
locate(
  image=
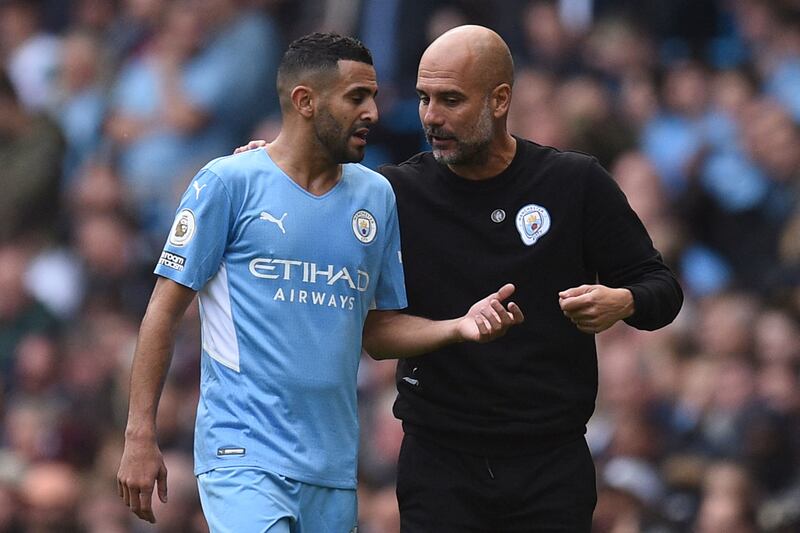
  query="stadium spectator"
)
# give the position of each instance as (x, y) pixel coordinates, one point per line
(81, 101)
(31, 57)
(638, 179)
(241, 45)
(50, 494)
(31, 152)
(156, 118)
(20, 314)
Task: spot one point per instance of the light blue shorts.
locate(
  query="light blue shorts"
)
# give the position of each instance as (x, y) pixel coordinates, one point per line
(251, 500)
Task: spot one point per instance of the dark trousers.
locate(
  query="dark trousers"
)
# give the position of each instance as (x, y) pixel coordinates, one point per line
(441, 490)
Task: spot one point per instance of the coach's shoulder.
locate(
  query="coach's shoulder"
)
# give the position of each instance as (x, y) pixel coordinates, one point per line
(409, 168)
(572, 162)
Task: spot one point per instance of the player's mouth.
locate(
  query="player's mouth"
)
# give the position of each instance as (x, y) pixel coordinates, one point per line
(360, 136)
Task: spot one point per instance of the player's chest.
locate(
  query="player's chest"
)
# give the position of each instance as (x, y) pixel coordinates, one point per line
(342, 234)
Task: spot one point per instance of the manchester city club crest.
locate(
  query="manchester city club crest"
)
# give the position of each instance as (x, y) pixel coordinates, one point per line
(533, 221)
(364, 226)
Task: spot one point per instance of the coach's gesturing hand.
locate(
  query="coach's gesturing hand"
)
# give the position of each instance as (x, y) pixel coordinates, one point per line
(393, 335)
(252, 145)
(141, 468)
(595, 308)
(488, 319)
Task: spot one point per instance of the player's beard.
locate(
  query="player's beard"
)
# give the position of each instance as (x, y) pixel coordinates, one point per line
(330, 134)
(470, 149)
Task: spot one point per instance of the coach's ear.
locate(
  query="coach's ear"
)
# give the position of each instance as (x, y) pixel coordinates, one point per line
(501, 100)
(303, 101)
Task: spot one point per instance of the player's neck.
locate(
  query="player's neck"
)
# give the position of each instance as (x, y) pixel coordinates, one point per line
(304, 164)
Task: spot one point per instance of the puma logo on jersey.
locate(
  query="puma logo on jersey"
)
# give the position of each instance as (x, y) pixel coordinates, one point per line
(277, 221)
(223, 452)
(197, 189)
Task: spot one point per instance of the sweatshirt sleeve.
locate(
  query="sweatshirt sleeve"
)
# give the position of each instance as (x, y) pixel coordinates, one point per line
(620, 250)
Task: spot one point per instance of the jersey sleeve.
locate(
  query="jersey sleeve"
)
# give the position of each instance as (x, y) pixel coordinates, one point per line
(199, 235)
(621, 252)
(390, 292)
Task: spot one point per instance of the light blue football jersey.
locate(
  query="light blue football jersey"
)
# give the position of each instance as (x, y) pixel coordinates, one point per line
(285, 280)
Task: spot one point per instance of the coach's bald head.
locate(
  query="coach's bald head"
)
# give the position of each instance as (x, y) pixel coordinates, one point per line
(464, 83)
(476, 52)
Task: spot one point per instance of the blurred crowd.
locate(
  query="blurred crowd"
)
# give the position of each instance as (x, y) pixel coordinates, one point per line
(109, 107)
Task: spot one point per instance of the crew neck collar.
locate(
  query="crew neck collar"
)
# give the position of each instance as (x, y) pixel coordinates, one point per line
(487, 184)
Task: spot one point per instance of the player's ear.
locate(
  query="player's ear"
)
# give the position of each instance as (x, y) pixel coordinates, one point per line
(303, 100)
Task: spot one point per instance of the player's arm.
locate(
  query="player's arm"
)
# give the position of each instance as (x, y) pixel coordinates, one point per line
(142, 463)
(394, 335)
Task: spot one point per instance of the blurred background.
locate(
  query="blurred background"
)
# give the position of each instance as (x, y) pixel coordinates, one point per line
(109, 107)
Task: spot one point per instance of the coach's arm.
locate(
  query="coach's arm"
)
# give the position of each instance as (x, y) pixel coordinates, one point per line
(142, 464)
(394, 335)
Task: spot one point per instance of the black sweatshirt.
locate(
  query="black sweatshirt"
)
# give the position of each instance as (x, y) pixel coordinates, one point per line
(462, 240)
